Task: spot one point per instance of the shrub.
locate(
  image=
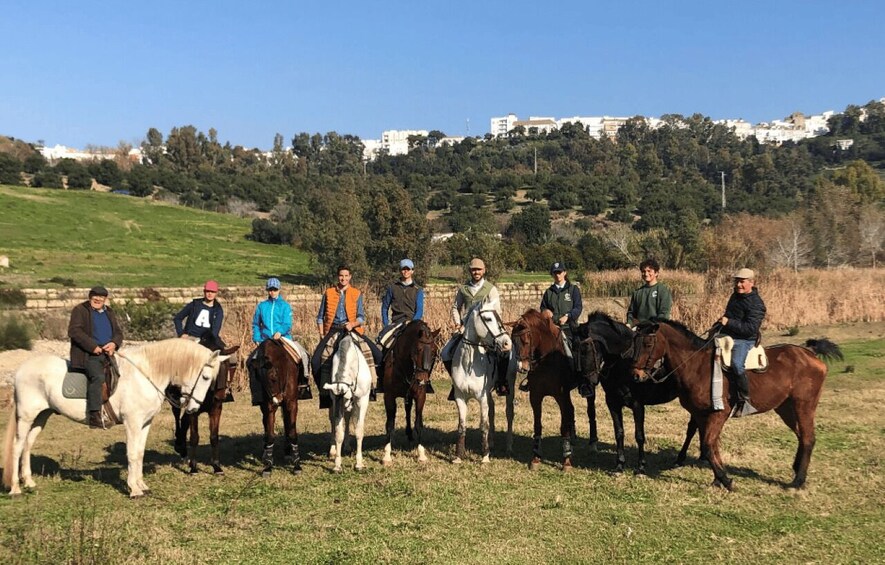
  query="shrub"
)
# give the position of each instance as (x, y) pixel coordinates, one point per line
(14, 334)
(12, 298)
(148, 321)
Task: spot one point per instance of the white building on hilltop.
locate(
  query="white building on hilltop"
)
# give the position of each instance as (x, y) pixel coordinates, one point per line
(501, 126)
(396, 141)
(59, 152)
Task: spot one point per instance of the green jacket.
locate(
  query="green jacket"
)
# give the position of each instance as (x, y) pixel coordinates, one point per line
(650, 302)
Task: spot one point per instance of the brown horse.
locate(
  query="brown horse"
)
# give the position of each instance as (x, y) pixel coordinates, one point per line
(540, 356)
(407, 369)
(212, 405)
(278, 374)
(791, 386)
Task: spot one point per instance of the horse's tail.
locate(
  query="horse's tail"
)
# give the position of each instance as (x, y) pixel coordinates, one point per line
(825, 349)
(7, 446)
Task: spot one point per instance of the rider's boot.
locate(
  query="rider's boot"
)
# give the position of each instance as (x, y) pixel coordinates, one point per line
(95, 420)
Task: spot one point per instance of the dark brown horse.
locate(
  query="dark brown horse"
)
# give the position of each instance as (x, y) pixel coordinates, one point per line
(604, 344)
(791, 386)
(541, 357)
(407, 369)
(278, 374)
(212, 405)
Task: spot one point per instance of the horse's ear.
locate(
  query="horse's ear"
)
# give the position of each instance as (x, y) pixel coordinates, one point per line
(223, 358)
(213, 355)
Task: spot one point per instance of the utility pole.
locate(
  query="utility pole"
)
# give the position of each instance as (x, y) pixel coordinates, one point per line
(723, 188)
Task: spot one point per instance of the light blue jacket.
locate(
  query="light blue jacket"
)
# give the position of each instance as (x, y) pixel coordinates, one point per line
(271, 316)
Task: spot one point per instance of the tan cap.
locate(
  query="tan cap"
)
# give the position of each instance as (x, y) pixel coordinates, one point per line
(476, 263)
(745, 273)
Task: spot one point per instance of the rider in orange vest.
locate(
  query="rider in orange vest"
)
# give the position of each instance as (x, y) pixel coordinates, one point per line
(341, 310)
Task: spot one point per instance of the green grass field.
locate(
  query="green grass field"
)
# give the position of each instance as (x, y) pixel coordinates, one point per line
(440, 512)
(93, 237)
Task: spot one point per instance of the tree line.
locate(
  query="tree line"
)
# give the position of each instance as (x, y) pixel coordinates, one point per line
(596, 203)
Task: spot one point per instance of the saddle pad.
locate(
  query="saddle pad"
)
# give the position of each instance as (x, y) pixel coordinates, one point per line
(388, 335)
(74, 385)
(756, 358)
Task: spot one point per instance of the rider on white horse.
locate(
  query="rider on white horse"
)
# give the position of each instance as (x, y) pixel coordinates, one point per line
(95, 334)
(474, 291)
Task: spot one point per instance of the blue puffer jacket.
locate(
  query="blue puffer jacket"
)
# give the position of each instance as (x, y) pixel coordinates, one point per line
(271, 316)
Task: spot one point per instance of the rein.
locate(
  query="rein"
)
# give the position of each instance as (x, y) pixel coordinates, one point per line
(651, 371)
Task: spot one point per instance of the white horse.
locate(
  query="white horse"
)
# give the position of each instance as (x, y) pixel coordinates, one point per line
(145, 372)
(473, 373)
(350, 386)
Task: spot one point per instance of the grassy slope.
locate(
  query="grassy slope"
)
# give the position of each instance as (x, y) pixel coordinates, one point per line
(123, 241)
(469, 513)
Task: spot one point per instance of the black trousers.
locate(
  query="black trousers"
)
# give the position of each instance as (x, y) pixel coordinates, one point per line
(95, 378)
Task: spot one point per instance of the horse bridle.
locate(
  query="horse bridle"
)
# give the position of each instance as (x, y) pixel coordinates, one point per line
(494, 345)
(265, 383)
(598, 358)
(427, 358)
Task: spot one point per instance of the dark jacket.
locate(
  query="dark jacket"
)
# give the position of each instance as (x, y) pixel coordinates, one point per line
(745, 313)
(191, 311)
(80, 332)
(566, 300)
(405, 301)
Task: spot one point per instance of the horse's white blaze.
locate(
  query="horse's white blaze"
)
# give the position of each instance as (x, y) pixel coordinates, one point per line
(350, 386)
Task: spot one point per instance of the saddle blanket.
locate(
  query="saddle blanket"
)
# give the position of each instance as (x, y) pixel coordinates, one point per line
(389, 334)
(756, 358)
(74, 385)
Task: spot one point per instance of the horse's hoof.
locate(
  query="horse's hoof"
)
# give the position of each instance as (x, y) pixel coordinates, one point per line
(192, 471)
(296, 470)
(147, 492)
(619, 469)
(336, 469)
(135, 496)
(486, 460)
(567, 468)
(359, 468)
(387, 463)
(456, 461)
(640, 472)
(534, 465)
(15, 495)
(679, 463)
(265, 473)
(217, 470)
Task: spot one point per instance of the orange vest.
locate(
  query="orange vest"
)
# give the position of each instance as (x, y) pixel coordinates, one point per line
(351, 296)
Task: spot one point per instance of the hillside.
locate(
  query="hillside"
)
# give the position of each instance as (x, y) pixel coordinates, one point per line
(122, 241)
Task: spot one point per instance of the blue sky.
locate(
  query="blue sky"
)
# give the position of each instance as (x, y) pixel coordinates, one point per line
(102, 72)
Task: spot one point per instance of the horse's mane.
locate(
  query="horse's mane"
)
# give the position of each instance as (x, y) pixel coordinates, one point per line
(179, 358)
(607, 328)
(535, 319)
(696, 341)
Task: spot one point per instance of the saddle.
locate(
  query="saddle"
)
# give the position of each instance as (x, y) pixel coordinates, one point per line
(389, 334)
(76, 384)
(756, 359)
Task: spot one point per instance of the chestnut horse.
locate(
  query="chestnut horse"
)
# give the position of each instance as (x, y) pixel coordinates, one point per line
(407, 369)
(540, 356)
(212, 405)
(604, 343)
(277, 373)
(791, 386)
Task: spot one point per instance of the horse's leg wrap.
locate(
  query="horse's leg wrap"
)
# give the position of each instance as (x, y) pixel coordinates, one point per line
(267, 455)
(566, 447)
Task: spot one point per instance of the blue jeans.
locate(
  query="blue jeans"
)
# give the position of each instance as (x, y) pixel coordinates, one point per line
(738, 358)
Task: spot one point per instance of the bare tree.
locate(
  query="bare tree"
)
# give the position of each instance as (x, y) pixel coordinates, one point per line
(792, 247)
(621, 238)
(872, 231)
